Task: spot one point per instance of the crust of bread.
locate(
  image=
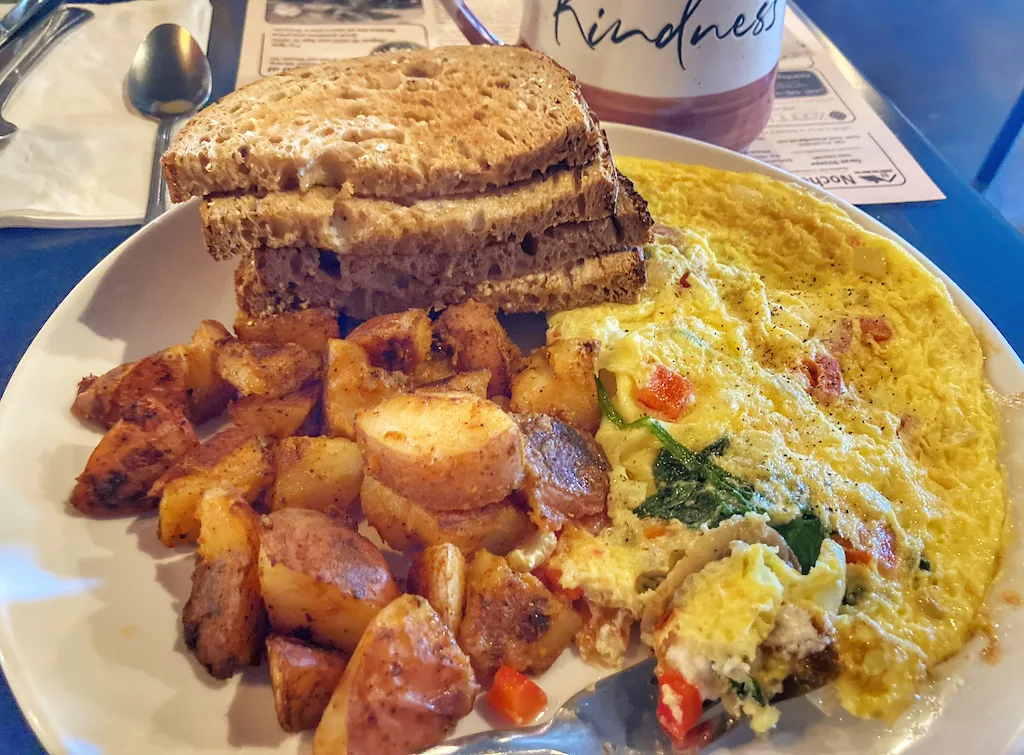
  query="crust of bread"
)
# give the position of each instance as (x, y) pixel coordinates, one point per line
(429, 122)
(325, 218)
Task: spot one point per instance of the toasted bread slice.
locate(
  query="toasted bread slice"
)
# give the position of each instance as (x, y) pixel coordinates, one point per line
(356, 284)
(325, 218)
(421, 123)
(617, 276)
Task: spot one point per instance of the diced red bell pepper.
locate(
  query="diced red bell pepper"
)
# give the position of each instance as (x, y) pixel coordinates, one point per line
(680, 705)
(825, 377)
(880, 546)
(667, 393)
(516, 696)
(875, 329)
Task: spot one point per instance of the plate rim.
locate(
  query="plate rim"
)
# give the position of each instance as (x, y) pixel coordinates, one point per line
(47, 729)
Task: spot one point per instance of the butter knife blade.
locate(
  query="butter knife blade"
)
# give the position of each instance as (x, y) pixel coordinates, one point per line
(21, 15)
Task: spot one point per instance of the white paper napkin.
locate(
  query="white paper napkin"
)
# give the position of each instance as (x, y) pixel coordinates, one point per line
(82, 156)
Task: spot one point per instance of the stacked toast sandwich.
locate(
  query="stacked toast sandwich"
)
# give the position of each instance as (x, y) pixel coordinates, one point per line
(418, 179)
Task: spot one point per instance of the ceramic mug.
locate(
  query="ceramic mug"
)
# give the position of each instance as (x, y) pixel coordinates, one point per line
(702, 68)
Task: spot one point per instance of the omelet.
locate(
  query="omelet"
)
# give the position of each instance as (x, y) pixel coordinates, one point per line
(776, 619)
(819, 380)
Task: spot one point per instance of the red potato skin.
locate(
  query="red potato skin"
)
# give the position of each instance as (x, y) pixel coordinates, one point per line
(303, 678)
(224, 621)
(135, 453)
(397, 342)
(305, 553)
(406, 686)
(107, 398)
(321, 581)
(566, 472)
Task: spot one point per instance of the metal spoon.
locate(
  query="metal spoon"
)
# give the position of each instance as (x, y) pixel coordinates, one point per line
(169, 79)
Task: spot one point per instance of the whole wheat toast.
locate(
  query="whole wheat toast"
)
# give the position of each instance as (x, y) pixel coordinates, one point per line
(447, 277)
(618, 276)
(427, 122)
(325, 218)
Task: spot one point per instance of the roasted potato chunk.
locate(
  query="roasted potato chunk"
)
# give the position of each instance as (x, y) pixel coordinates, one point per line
(559, 380)
(403, 524)
(434, 369)
(106, 398)
(474, 382)
(266, 369)
(353, 384)
(318, 473)
(321, 581)
(474, 336)
(512, 619)
(604, 636)
(447, 451)
(232, 458)
(438, 573)
(566, 472)
(404, 689)
(134, 454)
(398, 342)
(276, 418)
(208, 392)
(309, 328)
(224, 619)
(303, 678)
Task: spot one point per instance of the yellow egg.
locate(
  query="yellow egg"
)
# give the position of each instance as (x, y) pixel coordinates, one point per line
(752, 290)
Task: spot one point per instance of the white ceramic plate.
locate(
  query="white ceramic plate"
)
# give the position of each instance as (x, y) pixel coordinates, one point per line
(90, 610)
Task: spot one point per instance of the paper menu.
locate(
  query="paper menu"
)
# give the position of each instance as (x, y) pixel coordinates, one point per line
(821, 129)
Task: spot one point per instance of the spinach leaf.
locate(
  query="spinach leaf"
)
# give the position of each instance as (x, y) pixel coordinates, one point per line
(691, 487)
(805, 534)
(608, 410)
(715, 448)
(749, 688)
(694, 490)
(667, 469)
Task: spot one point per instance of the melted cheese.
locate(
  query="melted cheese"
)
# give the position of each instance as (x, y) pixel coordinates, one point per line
(775, 278)
(723, 615)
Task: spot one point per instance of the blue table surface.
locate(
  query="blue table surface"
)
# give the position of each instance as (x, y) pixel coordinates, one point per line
(963, 235)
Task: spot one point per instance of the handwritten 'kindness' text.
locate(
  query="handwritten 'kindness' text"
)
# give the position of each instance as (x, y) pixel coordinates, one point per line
(678, 33)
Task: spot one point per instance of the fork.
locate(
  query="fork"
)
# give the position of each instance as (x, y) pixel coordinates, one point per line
(38, 42)
(616, 716)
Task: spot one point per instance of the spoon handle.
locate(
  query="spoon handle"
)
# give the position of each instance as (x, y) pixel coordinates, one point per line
(157, 204)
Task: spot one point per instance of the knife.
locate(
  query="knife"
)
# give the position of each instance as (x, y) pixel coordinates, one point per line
(33, 47)
(22, 14)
